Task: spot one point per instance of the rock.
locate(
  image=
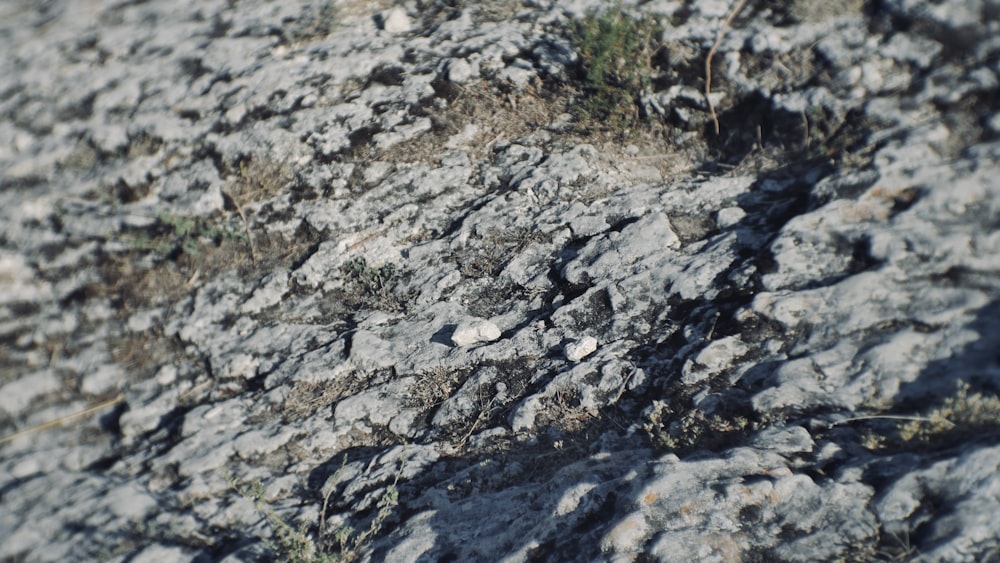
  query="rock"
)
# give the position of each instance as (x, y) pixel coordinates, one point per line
(468, 333)
(717, 357)
(18, 283)
(130, 501)
(103, 379)
(140, 419)
(580, 349)
(461, 71)
(396, 21)
(729, 216)
(160, 553)
(261, 442)
(358, 262)
(18, 394)
(908, 501)
(144, 320)
(793, 440)
(241, 366)
(376, 407)
(268, 294)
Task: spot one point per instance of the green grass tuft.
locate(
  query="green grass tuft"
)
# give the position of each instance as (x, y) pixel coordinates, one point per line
(298, 545)
(616, 51)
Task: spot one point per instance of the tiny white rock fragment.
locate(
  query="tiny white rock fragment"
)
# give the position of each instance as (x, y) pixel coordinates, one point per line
(460, 71)
(396, 21)
(580, 349)
(474, 332)
(241, 366)
(729, 216)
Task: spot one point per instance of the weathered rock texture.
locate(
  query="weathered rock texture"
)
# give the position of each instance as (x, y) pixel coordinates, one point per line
(356, 278)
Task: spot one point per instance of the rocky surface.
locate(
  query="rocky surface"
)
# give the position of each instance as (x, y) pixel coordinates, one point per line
(357, 279)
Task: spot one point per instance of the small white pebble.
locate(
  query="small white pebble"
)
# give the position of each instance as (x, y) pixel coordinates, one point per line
(474, 332)
(729, 216)
(396, 21)
(580, 349)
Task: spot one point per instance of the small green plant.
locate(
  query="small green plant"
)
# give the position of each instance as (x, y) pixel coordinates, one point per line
(172, 234)
(373, 280)
(289, 543)
(896, 546)
(296, 544)
(371, 287)
(348, 541)
(316, 21)
(616, 51)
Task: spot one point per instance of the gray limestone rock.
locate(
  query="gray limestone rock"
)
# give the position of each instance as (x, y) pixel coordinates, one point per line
(371, 273)
(580, 349)
(476, 331)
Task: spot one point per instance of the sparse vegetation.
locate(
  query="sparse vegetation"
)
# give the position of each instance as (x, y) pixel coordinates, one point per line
(493, 253)
(962, 415)
(616, 51)
(172, 235)
(296, 544)
(436, 385)
(371, 287)
(258, 179)
(692, 429)
(347, 541)
(289, 543)
(895, 546)
(315, 22)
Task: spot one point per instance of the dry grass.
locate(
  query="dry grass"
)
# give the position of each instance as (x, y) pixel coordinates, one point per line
(487, 258)
(960, 417)
(435, 386)
(562, 411)
(259, 178)
(306, 398)
(711, 53)
(497, 115)
(692, 428)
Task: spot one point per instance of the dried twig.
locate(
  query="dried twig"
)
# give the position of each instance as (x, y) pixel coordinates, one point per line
(624, 385)
(246, 228)
(193, 279)
(62, 419)
(367, 238)
(483, 415)
(891, 417)
(711, 53)
(711, 331)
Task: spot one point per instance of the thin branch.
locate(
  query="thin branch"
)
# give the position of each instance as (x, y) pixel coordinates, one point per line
(624, 386)
(711, 331)
(62, 419)
(246, 228)
(711, 53)
(892, 417)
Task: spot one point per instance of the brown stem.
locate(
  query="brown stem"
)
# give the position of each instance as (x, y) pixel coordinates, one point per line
(711, 53)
